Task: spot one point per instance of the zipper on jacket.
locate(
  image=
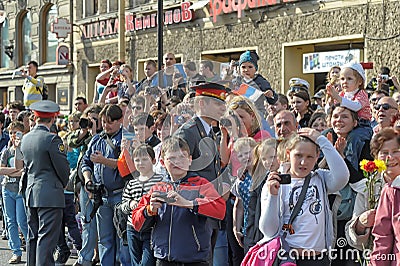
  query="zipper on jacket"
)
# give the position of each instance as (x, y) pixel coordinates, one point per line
(196, 238)
(170, 232)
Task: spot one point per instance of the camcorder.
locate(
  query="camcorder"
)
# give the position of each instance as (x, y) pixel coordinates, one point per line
(86, 122)
(98, 190)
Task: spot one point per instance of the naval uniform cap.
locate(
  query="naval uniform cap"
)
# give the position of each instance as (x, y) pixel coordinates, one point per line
(45, 108)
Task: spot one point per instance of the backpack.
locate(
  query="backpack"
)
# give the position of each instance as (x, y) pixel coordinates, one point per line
(44, 91)
(345, 211)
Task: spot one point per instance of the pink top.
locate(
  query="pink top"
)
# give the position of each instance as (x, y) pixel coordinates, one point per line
(361, 97)
(387, 228)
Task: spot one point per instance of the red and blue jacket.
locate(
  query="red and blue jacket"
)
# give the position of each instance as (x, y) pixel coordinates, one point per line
(180, 234)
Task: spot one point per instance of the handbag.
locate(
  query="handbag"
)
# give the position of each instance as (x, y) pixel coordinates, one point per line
(266, 254)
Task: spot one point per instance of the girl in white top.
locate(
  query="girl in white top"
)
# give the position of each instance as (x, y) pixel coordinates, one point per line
(313, 226)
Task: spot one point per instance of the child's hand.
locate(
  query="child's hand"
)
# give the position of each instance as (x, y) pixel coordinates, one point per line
(269, 94)
(155, 203)
(179, 200)
(309, 133)
(239, 238)
(273, 183)
(333, 93)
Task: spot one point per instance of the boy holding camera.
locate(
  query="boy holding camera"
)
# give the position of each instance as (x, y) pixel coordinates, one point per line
(178, 210)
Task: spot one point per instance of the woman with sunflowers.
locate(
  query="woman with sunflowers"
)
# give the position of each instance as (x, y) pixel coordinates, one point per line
(379, 215)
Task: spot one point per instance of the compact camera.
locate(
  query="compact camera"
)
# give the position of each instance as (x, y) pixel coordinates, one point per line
(384, 77)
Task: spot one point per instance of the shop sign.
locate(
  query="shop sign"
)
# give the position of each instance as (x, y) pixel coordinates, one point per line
(62, 96)
(62, 55)
(61, 27)
(135, 23)
(323, 61)
(218, 7)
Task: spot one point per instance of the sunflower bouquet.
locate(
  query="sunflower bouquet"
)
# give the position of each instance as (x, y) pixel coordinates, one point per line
(372, 171)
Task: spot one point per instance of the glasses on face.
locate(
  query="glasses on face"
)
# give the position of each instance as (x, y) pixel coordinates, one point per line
(169, 58)
(138, 107)
(385, 107)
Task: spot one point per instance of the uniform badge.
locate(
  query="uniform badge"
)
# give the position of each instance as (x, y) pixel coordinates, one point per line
(61, 148)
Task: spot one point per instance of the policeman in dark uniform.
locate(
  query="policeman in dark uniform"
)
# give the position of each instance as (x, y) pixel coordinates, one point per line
(47, 172)
(209, 107)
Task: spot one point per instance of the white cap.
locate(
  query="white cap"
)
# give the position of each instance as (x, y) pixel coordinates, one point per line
(357, 67)
(299, 82)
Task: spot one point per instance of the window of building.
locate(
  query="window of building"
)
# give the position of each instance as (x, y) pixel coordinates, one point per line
(112, 5)
(5, 41)
(90, 7)
(51, 40)
(26, 40)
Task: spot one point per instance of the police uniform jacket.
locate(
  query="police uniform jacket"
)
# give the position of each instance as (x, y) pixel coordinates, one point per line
(46, 167)
(208, 163)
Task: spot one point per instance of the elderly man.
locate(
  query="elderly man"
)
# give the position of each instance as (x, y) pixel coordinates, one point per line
(386, 112)
(285, 124)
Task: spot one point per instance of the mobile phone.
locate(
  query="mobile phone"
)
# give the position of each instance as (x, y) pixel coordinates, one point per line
(384, 77)
(164, 198)
(285, 179)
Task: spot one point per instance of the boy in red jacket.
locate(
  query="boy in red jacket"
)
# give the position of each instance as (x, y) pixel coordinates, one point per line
(178, 210)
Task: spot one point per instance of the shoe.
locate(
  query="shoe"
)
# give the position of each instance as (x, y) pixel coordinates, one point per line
(4, 235)
(14, 259)
(61, 257)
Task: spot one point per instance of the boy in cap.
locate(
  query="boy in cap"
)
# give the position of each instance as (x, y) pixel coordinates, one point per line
(47, 173)
(248, 64)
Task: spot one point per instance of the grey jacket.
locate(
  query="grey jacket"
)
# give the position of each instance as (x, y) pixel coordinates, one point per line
(46, 167)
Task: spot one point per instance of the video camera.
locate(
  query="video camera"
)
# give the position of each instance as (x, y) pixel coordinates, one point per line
(98, 190)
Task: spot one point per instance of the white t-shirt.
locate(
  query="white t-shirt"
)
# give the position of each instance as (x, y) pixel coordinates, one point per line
(309, 225)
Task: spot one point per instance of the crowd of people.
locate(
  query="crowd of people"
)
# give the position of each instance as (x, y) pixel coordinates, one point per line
(190, 167)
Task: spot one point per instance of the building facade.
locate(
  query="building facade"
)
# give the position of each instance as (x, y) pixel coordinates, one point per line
(293, 38)
(26, 35)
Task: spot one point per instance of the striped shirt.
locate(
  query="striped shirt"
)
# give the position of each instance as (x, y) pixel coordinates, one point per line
(134, 190)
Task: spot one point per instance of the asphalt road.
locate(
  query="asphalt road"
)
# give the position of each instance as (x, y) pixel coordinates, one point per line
(5, 253)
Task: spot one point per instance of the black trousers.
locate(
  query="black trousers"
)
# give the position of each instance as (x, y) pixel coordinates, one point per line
(44, 226)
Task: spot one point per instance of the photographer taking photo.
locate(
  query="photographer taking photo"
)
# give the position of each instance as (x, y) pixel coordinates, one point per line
(99, 166)
(384, 81)
(89, 126)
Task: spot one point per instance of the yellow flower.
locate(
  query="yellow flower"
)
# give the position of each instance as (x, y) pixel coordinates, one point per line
(381, 165)
(363, 163)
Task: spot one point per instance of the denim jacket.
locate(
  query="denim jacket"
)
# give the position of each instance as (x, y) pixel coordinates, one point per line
(110, 177)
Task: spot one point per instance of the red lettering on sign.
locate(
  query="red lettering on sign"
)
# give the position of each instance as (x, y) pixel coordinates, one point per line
(186, 12)
(102, 27)
(138, 23)
(177, 16)
(146, 22)
(168, 17)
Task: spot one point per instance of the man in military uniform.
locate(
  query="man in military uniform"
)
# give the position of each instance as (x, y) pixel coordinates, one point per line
(47, 172)
(209, 107)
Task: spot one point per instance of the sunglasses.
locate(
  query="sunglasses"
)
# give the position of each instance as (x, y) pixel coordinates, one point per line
(137, 107)
(385, 106)
(168, 58)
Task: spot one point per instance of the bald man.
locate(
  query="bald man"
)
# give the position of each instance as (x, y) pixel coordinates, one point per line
(386, 112)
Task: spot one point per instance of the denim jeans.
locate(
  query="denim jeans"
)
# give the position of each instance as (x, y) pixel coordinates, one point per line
(140, 247)
(89, 230)
(221, 249)
(15, 217)
(110, 251)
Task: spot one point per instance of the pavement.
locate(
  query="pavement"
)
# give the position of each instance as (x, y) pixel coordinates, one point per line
(5, 253)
